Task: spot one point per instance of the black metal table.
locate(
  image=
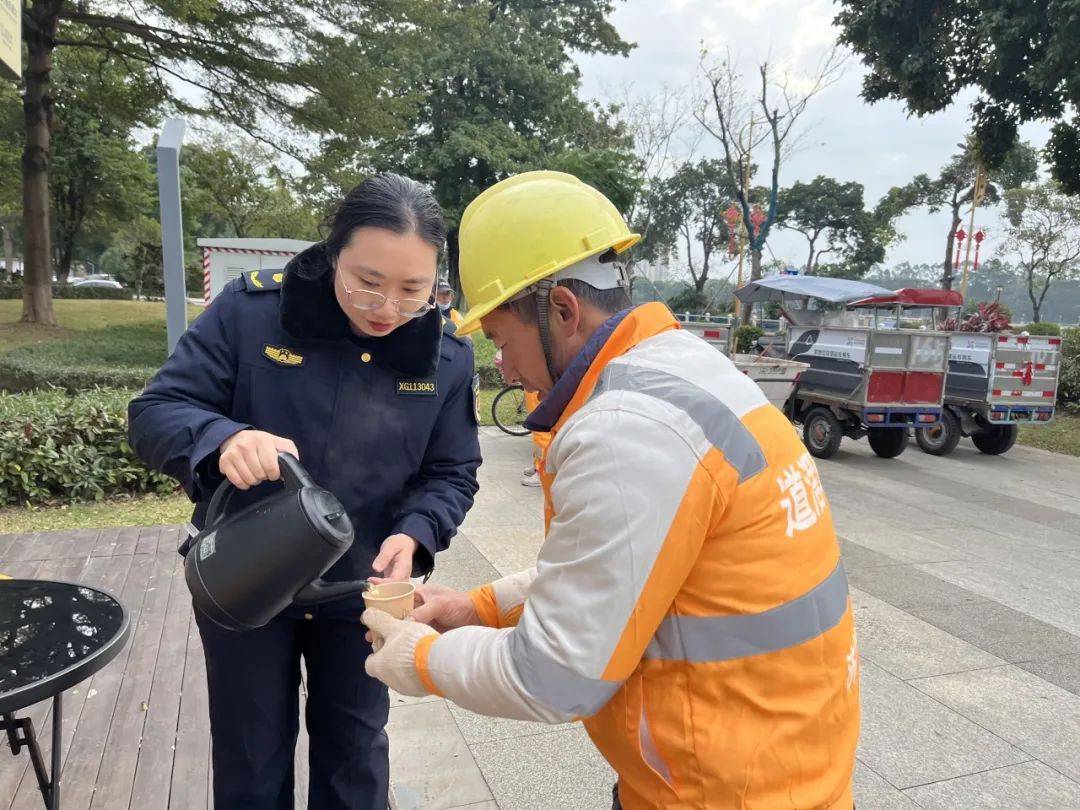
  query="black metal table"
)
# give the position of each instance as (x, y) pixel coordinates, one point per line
(52, 636)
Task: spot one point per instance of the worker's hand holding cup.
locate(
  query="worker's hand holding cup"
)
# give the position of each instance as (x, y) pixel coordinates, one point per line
(444, 608)
(393, 660)
(250, 457)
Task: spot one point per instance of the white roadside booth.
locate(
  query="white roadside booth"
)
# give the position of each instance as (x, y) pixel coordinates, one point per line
(225, 259)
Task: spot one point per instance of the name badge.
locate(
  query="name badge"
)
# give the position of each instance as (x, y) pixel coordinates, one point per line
(416, 388)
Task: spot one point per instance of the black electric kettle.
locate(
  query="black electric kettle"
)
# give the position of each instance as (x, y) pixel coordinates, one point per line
(244, 569)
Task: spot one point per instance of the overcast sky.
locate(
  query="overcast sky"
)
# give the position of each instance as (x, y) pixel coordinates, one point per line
(878, 146)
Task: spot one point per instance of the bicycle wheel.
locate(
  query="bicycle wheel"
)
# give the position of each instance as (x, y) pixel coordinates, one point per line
(508, 411)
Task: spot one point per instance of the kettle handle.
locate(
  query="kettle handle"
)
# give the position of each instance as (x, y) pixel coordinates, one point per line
(294, 476)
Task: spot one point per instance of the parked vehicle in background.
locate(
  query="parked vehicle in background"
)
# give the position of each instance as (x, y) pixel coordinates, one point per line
(869, 374)
(996, 382)
(97, 282)
(776, 376)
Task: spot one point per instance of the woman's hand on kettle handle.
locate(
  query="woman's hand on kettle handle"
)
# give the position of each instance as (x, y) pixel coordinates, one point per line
(249, 457)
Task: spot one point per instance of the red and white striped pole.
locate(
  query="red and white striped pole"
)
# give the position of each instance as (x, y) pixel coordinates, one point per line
(206, 276)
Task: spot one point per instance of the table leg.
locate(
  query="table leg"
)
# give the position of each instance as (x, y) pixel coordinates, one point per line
(57, 727)
(21, 735)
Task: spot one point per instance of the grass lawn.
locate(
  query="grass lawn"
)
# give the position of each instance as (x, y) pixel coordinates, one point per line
(486, 397)
(77, 316)
(148, 511)
(1062, 435)
(118, 343)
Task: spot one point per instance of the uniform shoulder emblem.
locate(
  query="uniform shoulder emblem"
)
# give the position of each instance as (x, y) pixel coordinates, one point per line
(283, 356)
(263, 280)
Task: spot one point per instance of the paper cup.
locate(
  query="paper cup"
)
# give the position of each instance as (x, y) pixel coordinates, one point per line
(395, 598)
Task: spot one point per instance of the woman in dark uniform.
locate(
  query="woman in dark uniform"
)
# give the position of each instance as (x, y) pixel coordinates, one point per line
(341, 359)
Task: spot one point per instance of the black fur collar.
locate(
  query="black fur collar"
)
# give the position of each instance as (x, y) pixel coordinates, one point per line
(310, 311)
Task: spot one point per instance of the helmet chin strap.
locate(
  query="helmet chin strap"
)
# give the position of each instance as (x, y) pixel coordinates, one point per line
(543, 311)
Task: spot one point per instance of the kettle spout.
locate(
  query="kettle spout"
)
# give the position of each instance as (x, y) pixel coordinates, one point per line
(320, 590)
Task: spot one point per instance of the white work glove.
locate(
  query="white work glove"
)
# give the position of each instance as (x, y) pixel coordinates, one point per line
(394, 659)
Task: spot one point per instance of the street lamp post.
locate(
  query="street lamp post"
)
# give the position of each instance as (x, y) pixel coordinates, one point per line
(172, 229)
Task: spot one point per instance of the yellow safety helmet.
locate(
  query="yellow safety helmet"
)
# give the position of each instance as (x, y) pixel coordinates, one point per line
(527, 228)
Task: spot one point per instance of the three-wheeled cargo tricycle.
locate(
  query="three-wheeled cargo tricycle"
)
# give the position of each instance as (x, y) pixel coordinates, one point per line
(996, 382)
(869, 374)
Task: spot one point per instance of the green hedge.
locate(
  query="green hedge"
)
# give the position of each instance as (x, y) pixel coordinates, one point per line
(1040, 328)
(56, 448)
(746, 336)
(118, 356)
(484, 350)
(1069, 381)
(9, 291)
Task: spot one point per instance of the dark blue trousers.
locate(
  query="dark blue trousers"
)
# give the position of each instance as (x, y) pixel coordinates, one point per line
(253, 679)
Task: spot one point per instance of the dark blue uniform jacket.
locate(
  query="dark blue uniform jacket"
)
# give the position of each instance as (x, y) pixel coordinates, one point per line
(386, 424)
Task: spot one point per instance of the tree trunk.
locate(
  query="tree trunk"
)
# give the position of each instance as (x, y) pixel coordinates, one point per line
(947, 276)
(453, 274)
(1036, 301)
(755, 274)
(66, 253)
(9, 253)
(1029, 272)
(37, 112)
(702, 280)
(810, 258)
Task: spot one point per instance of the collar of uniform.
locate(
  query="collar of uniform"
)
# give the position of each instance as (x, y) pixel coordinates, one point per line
(310, 311)
(616, 336)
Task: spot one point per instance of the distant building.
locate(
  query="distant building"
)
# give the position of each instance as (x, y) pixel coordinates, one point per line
(226, 259)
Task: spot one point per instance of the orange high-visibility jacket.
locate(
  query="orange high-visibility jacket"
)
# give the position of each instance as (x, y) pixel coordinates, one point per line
(688, 601)
(541, 439)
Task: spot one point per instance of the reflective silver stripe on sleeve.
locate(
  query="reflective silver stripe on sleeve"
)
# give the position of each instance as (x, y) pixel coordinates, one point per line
(720, 425)
(700, 639)
(552, 683)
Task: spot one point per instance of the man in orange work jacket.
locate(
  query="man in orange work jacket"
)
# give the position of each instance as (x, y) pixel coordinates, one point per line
(688, 602)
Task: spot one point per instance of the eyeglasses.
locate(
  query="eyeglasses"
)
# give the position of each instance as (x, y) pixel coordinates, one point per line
(368, 301)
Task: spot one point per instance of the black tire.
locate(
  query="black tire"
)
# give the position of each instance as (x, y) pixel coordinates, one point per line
(942, 438)
(508, 411)
(887, 442)
(995, 440)
(822, 432)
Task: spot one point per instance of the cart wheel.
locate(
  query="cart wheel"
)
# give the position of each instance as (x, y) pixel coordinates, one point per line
(887, 442)
(995, 440)
(942, 438)
(822, 432)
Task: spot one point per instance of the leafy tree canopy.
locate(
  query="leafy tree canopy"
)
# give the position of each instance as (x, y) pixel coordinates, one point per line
(1019, 56)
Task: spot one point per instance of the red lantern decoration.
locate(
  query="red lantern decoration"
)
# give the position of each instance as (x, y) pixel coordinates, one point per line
(960, 237)
(732, 215)
(757, 219)
(978, 237)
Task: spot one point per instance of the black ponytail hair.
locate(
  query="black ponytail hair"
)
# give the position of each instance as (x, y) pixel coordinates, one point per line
(390, 201)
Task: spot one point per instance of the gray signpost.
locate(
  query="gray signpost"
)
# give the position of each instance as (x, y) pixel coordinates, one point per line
(172, 228)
